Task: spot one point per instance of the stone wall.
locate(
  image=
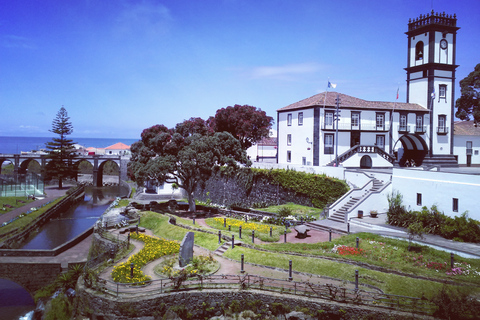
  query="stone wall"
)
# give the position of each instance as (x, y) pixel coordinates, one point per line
(32, 276)
(236, 191)
(102, 306)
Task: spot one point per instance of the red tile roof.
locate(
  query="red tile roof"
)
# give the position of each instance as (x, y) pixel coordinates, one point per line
(118, 146)
(350, 102)
(466, 128)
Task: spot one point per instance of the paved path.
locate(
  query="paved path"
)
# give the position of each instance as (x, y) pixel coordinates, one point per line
(52, 193)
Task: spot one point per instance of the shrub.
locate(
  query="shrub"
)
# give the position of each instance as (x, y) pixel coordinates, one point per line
(432, 221)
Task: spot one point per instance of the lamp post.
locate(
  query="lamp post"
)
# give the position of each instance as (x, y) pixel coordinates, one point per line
(337, 118)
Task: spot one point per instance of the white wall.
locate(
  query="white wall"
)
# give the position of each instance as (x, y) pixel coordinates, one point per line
(438, 188)
(459, 149)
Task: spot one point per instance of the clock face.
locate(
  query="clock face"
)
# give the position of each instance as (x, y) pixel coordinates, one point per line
(443, 44)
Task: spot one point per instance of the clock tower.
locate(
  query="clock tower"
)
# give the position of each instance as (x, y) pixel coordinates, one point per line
(431, 76)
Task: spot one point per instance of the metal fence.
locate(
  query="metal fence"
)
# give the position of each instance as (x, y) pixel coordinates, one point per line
(246, 282)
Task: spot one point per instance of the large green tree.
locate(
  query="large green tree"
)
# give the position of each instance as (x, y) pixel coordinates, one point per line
(469, 102)
(246, 123)
(61, 151)
(186, 155)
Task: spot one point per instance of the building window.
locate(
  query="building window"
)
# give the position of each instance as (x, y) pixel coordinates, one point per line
(419, 124)
(419, 199)
(403, 123)
(328, 143)
(300, 118)
(469, 147)
(442, 124)
(355, 120)
(304, 161)
(419, 50)
(455, 205)
(289, 119)
(442, 92)
(289, 156)
(380, 142)
(289, 139)
(329, 119)
(380, 121)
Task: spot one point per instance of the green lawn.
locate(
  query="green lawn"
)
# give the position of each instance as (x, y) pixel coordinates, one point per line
(383, 252)
(26, 219)
(262, 230)
(13, 202)
(296, 209)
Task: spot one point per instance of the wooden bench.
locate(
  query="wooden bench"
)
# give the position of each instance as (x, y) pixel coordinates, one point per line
(302, 231)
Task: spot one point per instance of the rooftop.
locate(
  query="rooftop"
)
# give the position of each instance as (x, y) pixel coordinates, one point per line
(347, 101)
(466, 128)
(118, 146)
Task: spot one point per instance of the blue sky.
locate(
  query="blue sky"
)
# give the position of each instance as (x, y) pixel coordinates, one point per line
(121, 66)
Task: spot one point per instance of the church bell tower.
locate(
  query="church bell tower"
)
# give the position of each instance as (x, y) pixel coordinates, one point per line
(431, 76)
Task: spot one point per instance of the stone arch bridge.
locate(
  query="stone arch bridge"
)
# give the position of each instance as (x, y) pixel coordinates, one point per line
(21, 161)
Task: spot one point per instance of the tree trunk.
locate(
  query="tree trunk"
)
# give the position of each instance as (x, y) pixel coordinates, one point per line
(60, 183)
(191, 202)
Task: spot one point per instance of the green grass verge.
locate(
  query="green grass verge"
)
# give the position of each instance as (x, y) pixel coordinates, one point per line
(13, 202)
(159, 225)
(389, 283)
(296, 209)
(262, 230)
(391, 254)
(26, 220)
(379, 251)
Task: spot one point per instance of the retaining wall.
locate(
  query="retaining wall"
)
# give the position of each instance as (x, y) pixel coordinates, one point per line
(101, 306)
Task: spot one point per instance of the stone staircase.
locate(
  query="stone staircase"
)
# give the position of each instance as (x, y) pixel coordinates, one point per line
(447, 161)
(221, 250)
(341, 214)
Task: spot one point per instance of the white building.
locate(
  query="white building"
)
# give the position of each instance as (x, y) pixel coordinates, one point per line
(118, 148)
(264, 151)
(369, 134)
(467, 143)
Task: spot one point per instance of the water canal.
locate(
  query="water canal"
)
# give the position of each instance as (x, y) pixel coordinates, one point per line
(16, 302)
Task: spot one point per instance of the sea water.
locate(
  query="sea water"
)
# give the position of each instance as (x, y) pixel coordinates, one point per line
(15, 145)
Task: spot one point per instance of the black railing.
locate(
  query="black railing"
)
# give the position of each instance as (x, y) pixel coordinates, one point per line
(278, 286)
(433, 18)
(442, 130)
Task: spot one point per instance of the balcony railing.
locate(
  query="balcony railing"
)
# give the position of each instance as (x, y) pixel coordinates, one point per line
(348, 126)
(404, 129)
(420, 129)
(442, 130)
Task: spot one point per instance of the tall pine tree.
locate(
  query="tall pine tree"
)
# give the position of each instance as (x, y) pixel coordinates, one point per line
(61, 151)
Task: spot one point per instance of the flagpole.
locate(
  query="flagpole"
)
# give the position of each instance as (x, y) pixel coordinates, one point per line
(391, 123)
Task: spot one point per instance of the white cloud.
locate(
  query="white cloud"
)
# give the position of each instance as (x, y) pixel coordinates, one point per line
(285, 72)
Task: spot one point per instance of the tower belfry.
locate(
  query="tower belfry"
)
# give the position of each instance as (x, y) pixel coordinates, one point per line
(431, 75)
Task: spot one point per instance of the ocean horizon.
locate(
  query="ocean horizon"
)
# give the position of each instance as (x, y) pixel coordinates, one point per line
(15, 145)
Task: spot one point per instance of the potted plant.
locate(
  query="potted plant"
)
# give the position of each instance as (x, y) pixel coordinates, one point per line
(373, 213)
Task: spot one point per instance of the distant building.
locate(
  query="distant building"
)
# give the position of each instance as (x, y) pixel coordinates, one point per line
(118, 148)
(467, 143)
(95, 151)
(264, 151)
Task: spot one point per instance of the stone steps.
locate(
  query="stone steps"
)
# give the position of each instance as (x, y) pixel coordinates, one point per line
(341, 214)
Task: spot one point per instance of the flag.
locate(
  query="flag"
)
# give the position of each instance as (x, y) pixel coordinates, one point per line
(397, 92)
(331, 85)
(433, 93)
